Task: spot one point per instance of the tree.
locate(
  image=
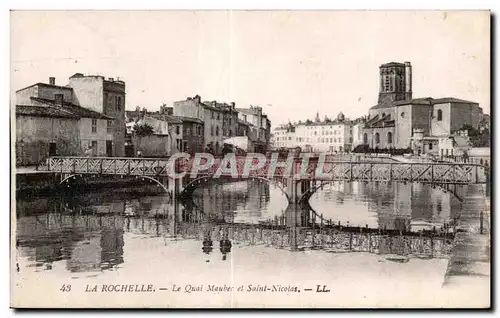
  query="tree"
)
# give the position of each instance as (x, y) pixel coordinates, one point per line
(478, 138)
(142, 130)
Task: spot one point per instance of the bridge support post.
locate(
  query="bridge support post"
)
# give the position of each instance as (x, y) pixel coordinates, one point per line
(291, 189)
(293, 222)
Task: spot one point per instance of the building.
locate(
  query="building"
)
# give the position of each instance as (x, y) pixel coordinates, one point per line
(105, 96)
(260, 126)
(357, 132)
(208, 113)
(222, 121)
(397, 115)
(99, 103)
(318, 136)
(45, 131)
(49, 123)
(167, 137)
(193, 139)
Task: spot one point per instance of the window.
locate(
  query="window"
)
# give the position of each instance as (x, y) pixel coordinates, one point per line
(402, 114)
(377, 138)
(430, 146)
(365, 138)
(118, 102)
(177, 129)
(94, 125)
(217, 131)
(109, 126)
(389, 137)
(350, 140)
(109, 100)
(218, 116)
(383, 114)
(212, 130)
(439, 115)
(59, 98)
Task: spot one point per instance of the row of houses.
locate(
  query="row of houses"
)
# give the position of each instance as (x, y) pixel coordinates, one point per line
(193, 125)
(87, 117)
(426, 126)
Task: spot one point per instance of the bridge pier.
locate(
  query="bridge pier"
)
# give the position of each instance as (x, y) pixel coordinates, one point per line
(296, 188)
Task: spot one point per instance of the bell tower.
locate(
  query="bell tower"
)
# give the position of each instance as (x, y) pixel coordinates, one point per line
(395, 82)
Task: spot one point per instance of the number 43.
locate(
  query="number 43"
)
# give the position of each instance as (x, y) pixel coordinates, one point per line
(65, 288)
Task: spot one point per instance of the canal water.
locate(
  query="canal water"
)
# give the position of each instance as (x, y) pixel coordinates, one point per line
(86, 231)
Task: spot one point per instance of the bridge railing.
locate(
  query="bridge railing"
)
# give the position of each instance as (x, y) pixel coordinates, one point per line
(461, 173)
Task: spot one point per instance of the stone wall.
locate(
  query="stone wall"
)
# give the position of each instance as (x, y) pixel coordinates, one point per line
(34, 135)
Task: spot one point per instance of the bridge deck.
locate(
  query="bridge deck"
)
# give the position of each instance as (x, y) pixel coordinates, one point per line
(441, 173)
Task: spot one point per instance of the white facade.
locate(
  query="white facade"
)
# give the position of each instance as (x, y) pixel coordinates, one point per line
(317, 137)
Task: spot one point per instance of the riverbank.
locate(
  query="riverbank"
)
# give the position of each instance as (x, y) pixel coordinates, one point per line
(470, 264)
(29, 182)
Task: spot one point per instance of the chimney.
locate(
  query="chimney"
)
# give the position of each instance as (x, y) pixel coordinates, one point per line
(233, 105)
(111, 79)
(52, 80)
(408, 89)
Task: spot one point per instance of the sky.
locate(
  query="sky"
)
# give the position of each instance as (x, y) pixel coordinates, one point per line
(292, 63)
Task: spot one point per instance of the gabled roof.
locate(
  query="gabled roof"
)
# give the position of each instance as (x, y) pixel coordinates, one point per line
(43, 111)
(75, 109)
(46, 85)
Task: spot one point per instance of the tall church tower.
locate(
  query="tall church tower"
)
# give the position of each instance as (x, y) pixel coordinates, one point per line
(395, 82)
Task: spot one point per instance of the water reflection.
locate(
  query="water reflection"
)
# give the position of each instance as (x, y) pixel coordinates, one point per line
(87, 231)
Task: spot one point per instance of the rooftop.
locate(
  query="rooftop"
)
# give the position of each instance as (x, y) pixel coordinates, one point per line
(189, 119)
(423, 101)
(75, 109)
(392, 64)
(46, 85)
(43, 111)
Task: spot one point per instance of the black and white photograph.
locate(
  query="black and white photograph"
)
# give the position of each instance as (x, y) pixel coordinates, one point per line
(250, 159)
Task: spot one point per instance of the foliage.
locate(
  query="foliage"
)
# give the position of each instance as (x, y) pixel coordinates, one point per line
(478, 138)
(143, 130)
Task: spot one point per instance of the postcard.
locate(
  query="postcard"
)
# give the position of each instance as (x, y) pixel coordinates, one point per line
(250, 159)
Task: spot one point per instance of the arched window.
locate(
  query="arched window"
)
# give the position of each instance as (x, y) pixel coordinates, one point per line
(377, 138)
(383, 114)
(389, 137)
(439, 115)
(365, 138)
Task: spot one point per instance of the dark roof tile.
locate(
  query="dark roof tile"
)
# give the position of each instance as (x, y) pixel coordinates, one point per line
(75, 109)
(44, 111)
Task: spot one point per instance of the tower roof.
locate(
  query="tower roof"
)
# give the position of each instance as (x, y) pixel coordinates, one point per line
(392, 64)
